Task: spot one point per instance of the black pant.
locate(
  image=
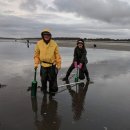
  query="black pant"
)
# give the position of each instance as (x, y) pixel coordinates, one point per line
(49, 74)
(84, 69)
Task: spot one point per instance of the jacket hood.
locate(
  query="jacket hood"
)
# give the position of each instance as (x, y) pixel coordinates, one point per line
(45, 31)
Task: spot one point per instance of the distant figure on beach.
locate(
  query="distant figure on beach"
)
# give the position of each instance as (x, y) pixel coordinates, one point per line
(27, 43)
(79, 61)
(94, 45)
(47, 55)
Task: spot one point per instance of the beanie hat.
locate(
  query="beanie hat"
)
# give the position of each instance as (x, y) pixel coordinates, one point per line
(80, 41)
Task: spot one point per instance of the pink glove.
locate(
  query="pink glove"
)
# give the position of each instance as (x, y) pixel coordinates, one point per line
(80, 65)
(75, 64)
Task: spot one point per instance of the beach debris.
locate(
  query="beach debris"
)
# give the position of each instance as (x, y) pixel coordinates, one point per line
(44, 113)
(2, 85)
(29, 88)
(105, 128)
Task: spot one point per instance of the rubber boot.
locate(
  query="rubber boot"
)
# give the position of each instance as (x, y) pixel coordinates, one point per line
(88, 79)
(65, 79)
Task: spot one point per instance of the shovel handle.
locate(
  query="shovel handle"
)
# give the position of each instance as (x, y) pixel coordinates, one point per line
(77, 75)
(35, 72)
(78, 72)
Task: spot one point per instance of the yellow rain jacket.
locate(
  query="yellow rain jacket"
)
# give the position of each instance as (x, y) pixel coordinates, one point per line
(47, 53)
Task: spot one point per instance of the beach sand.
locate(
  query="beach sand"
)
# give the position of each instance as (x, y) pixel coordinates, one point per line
(121, 46)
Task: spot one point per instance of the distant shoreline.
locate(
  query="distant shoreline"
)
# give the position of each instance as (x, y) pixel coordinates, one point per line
(111, 45)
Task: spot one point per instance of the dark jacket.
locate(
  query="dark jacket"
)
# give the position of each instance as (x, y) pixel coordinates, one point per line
(80, 55)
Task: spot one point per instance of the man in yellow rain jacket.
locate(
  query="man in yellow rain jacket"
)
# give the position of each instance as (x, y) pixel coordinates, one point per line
(47, 55)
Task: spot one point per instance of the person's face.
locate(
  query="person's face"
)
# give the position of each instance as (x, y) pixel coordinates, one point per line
(47, 37)
(80, 45)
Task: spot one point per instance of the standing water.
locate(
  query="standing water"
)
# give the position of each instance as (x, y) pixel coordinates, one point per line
(103, 105)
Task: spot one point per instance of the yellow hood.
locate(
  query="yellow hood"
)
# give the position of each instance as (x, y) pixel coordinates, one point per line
(45, 31)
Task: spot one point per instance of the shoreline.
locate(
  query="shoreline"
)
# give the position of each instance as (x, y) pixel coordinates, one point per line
(110, 45)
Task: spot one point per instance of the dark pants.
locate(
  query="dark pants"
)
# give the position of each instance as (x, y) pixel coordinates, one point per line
(49, 74)
(84, 69)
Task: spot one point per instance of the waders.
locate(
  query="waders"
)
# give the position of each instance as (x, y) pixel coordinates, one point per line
(34, 85)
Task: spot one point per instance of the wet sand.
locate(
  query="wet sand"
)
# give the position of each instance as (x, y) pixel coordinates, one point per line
(103, 105)
(120, 46)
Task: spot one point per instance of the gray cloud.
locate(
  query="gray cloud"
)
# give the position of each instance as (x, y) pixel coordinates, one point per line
(2, 4)
(12, 26)
(99, 18)
(31, 5)
(111, 11)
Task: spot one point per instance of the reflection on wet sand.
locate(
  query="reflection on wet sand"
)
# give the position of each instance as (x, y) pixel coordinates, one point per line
(78, 97)
(50, 118)
(108, 100)
(34, 107)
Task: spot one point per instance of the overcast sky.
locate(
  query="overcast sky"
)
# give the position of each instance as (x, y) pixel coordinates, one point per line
(71, 18)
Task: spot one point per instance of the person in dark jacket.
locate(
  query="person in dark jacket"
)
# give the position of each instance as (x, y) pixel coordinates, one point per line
(79, 60)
